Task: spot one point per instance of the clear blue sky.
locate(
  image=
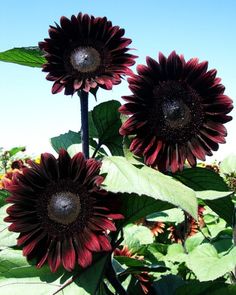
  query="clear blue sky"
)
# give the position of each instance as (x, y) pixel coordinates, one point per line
(30, 114)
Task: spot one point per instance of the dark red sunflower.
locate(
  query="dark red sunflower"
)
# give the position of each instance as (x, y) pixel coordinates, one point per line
(178, 233)
(178, 110)
(144, 278)
(85, 52)
(60, 212)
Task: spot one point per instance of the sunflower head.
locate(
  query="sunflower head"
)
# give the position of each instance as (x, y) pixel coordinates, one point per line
(85, 52)
(177, 112)
(61, 214)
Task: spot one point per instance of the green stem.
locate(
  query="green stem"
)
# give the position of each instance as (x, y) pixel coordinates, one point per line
(234, 235)
(84, 123)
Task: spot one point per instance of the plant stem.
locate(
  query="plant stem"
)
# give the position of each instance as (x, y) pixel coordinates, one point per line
(84, 123)
(97, 149)
(234, 234)
(112, 278)
(185, 233)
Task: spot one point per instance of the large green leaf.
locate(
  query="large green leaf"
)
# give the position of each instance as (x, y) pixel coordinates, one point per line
(64, 141)
(17, 277)
(123, 177)
(134, 207)
(208, 265)
(200, 179)
(105, 121)
(26, 56)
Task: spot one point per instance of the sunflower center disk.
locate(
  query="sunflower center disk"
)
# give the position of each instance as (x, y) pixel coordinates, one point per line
(176, 113)
(85, 59)
(64, 207)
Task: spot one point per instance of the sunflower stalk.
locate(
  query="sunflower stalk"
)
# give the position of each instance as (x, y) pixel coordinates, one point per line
(84, 122)
(234, 237)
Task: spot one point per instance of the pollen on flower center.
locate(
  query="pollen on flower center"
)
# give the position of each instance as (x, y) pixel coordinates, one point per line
(176, 112)
(64, 207)
(85, 59)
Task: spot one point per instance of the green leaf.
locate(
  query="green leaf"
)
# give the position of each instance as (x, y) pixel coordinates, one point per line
(64, 141)
(175, 253)
(105, 122)
(206, 288)
(137, 235)
(130, 262)
(7, 238)
(212, 195)
(208, 265)
(17, 277)
(192, 242)
(3, 195)
(200, 179)
(172, 215)
(134, 207)
(26, 56)
(15, 150)
(123, 177)
(167, 285)
(228, 165)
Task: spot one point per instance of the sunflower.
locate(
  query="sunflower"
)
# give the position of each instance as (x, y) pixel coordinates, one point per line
(178, 110)
(85, 52)
(143, 278)
(60, 212)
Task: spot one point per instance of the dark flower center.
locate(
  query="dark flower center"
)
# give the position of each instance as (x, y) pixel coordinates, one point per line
(85, 59)
(64, 207)
(175, 113)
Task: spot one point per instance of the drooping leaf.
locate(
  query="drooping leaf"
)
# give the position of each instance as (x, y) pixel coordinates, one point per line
(122, 177)
(26, 56)
(200, 179)
(105, 122)
(64, 141)
(208, 265)
(17, 276)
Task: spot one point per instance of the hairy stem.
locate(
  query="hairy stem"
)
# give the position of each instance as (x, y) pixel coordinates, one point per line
(84, 123)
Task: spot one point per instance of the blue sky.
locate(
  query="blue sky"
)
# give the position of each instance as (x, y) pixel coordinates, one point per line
(30, 114)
